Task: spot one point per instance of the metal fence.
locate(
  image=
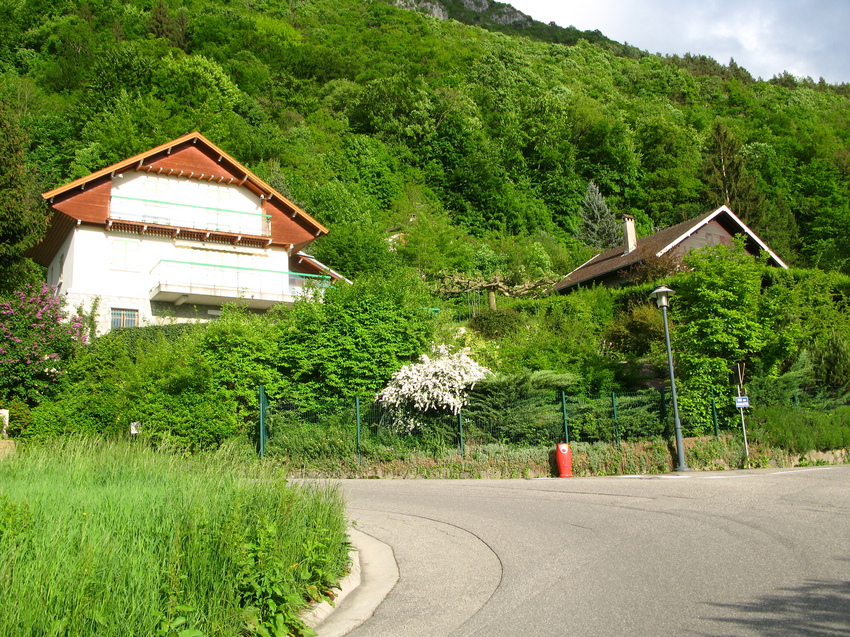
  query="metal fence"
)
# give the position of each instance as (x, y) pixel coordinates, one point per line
(544, 418)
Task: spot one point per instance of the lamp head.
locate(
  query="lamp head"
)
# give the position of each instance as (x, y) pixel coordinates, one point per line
(661, 295)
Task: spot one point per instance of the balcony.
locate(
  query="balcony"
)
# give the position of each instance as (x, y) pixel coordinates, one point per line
(188, 215)
(182, 282)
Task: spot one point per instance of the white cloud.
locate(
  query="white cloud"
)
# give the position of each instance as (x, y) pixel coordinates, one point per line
(804, 37)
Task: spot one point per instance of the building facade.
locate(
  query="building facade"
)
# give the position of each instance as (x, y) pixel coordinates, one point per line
(172, 235)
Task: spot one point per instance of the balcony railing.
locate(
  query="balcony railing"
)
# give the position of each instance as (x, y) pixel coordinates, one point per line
(204, 284)
(186, 215)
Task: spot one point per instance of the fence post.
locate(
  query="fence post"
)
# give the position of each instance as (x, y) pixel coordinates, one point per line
(714, 414)
(263, 405)
(564, 412)
(460, 431)
(357, 412)
(616, 427)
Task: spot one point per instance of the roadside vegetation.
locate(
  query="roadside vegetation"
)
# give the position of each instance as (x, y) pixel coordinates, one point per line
(392, 337)
(112, 537)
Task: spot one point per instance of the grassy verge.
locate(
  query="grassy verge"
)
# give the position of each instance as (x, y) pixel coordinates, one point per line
(113, 538)
(589, 459)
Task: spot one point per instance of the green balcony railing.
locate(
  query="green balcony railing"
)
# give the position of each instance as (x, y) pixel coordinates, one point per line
(229, 281)
(185, 215)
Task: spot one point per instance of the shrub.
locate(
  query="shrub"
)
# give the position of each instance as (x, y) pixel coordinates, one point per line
(801, 430)
(36, 340)
(494, 324)
(437, 383)
(520, 408)
(167, 386)
(350, 344)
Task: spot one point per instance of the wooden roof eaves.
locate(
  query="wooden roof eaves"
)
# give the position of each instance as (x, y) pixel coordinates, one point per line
(123, 165)
(705, 221)
(195, 136)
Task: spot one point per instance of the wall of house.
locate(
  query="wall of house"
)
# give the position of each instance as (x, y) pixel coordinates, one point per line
(122, 269)
(711, 234)
(61, 269)
(187, 203)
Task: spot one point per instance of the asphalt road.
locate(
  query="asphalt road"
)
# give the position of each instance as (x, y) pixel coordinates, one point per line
(763, 552)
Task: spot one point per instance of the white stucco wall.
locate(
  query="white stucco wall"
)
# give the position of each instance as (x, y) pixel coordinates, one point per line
(166, 278)
(174, 201)
(120, 269)
(61, 268)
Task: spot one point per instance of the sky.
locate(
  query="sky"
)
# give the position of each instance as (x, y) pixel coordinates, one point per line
(807, 38)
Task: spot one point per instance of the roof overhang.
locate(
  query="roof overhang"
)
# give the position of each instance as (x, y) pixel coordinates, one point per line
(138, 162)
(704, 222)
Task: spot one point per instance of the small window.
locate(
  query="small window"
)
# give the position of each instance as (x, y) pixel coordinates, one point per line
(125, 318)
(125, 254)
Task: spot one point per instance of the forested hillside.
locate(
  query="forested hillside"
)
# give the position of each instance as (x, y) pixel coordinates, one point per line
(443, 157)
(474, 149)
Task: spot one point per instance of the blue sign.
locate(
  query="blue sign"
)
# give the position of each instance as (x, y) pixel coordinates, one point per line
(742, 401)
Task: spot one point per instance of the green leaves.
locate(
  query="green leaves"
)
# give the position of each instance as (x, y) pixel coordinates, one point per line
(23, 215)
(118, 539)
(350, 344)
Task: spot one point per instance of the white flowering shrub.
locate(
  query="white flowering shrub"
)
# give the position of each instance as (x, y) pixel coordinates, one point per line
(439, 382)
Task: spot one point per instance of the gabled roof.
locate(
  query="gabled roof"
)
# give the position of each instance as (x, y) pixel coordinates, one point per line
(143, 160)
(609, 263)
(193, 156)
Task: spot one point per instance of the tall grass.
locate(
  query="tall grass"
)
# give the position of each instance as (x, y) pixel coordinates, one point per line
(802, 430)
(113, 538)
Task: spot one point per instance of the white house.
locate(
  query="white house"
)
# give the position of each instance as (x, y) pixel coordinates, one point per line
(174, 233)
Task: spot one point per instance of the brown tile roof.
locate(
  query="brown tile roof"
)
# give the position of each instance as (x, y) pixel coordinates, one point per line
(609, 263)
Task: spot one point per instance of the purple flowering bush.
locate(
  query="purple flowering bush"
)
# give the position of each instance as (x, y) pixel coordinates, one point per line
(36, 340)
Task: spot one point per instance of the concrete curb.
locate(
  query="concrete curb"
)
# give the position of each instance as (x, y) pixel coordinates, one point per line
(374, 573)
(347, 584)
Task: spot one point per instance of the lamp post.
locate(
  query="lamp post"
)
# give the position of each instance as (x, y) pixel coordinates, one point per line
(662, 299)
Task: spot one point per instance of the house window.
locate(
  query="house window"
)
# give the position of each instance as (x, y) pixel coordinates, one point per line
(125, 254)
(125, 318)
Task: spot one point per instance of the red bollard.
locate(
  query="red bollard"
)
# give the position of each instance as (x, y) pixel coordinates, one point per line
(564, 456)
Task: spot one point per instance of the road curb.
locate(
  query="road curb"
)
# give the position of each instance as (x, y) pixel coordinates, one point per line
(374, 573)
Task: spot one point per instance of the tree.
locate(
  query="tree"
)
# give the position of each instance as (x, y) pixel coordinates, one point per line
(716, 311)
(727, 180)
(23, 214)
(599, 228)
(159, 23)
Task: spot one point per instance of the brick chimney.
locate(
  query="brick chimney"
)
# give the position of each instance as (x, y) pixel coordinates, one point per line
(629, 234)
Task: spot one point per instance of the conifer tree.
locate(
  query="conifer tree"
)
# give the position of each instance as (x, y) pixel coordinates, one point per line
(599, 226)
(23, 215)
(726, 178)
(159, 22)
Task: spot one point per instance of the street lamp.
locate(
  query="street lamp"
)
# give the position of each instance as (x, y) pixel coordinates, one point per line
(662, 298)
